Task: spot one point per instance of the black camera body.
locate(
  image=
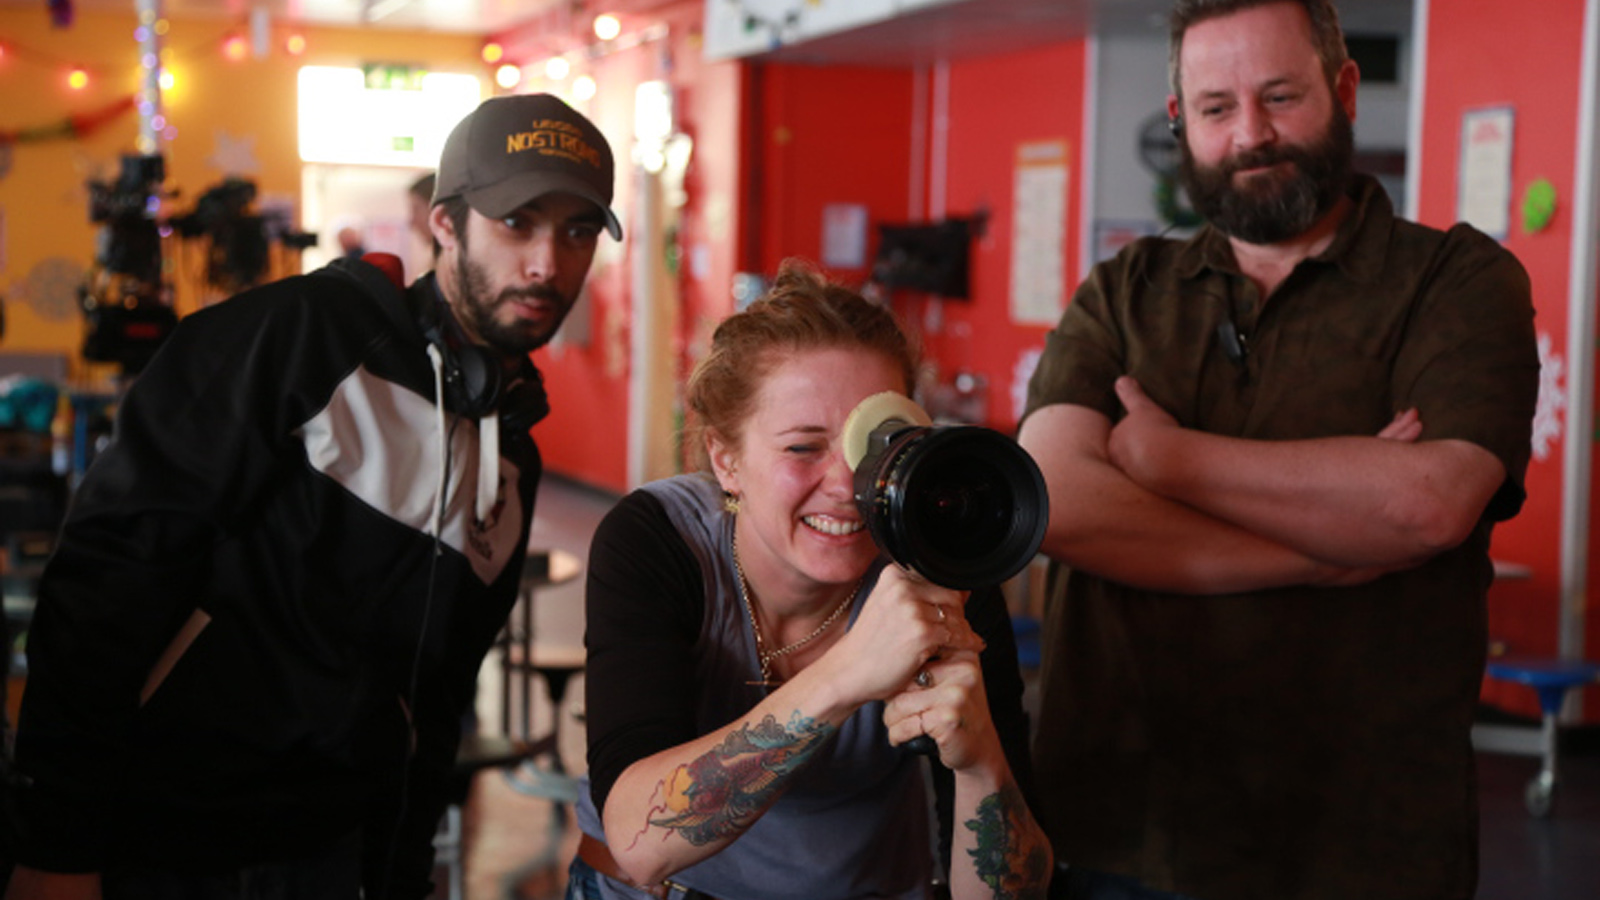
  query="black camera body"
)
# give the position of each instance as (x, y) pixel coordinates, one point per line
(961, 505)
(125, 300)
(240, 240)
(129, 242)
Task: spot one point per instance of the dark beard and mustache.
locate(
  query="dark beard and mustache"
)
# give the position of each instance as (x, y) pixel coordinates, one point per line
(1274, 207)
(477, 307)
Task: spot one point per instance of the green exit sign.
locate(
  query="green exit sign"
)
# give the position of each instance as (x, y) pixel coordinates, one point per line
(392, 77)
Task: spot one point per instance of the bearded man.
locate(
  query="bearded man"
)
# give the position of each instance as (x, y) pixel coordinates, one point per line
(263, 623)
(1275, 452)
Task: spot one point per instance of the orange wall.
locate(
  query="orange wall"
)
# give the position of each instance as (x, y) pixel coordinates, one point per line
(1487, 54)
(249, 106)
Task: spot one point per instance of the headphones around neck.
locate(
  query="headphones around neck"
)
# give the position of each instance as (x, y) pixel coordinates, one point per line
(475, 381)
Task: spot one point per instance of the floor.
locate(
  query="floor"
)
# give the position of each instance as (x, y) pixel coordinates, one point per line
(517, 844)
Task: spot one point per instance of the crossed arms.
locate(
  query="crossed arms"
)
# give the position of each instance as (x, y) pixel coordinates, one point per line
(1151, 504)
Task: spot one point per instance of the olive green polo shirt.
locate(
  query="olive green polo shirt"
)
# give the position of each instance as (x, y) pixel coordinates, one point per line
(1299, 742)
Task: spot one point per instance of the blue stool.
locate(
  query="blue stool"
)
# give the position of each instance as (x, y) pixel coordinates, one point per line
(1551, 679)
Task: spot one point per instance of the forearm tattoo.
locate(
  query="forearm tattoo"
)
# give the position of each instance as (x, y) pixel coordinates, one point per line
(1005, 859)
(721, 793)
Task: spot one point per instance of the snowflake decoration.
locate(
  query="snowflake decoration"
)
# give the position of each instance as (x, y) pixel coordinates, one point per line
(1020, 373)
(234, 155)
(51, 288)
(1552, 399)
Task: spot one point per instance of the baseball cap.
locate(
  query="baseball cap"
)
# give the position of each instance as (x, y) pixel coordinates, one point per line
(517, 148)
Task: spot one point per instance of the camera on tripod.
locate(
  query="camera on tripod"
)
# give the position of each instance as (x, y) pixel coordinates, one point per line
(961, 505)
(240, 239)
(126, 305)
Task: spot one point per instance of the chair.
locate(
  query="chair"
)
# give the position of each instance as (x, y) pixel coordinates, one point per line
(476, 753)
(515, 748)
(1551, 679)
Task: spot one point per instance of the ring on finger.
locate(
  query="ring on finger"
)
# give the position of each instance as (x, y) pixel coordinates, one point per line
(924, 679)
(938, 608)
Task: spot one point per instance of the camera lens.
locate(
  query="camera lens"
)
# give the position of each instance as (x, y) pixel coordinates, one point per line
(961, 505)
(963, 501)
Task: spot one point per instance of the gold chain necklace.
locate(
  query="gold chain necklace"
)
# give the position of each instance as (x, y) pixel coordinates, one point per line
(763, 655)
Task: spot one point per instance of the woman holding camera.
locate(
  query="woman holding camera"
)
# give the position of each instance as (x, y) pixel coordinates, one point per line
(756, 667)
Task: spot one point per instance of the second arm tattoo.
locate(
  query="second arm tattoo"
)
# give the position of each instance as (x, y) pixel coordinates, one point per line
(1004, 859)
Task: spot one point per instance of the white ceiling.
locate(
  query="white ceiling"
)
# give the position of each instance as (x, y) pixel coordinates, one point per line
(954, 30)
(982, 27)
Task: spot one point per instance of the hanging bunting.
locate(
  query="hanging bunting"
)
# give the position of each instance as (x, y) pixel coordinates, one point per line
(75, 127)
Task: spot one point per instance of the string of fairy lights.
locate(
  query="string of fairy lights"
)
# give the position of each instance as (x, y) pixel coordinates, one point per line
(155, 69)
(558, 66)
(256, 37)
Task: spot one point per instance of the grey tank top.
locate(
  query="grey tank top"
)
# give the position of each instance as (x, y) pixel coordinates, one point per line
(856, 822)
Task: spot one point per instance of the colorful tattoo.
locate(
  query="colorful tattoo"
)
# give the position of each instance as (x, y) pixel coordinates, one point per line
(719, 794)
(1013, 871)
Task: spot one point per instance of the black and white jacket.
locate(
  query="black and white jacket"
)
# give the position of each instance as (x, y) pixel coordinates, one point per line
(249, 642)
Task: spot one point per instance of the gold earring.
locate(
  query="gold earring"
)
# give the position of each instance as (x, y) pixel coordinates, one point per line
(730, 502)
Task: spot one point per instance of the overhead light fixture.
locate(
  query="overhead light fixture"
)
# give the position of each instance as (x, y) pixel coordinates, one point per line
(583, 88)
(607, 26)
(508, 76)
(556, 68)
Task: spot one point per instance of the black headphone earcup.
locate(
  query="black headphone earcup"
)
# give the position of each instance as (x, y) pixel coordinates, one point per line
(475, 389)
(472, 375)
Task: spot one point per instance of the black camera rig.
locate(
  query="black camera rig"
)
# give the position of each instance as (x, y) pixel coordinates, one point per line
(126, 300)
(962, 505)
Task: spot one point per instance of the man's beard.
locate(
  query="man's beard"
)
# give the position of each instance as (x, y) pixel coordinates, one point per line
(478, 308)
(1273, 207)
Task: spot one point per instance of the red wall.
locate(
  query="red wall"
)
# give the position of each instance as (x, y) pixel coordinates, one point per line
(844, 135)
(1486, 54)
(996, 105)
(827, 135)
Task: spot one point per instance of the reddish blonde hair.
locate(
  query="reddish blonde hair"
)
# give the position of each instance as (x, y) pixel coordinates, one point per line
(802, 310)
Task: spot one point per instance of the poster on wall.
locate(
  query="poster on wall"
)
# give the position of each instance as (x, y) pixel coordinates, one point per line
(1038, 233)
(1483, 197)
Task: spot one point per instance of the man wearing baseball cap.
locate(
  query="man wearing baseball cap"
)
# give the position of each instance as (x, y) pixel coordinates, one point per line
(265, 615)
